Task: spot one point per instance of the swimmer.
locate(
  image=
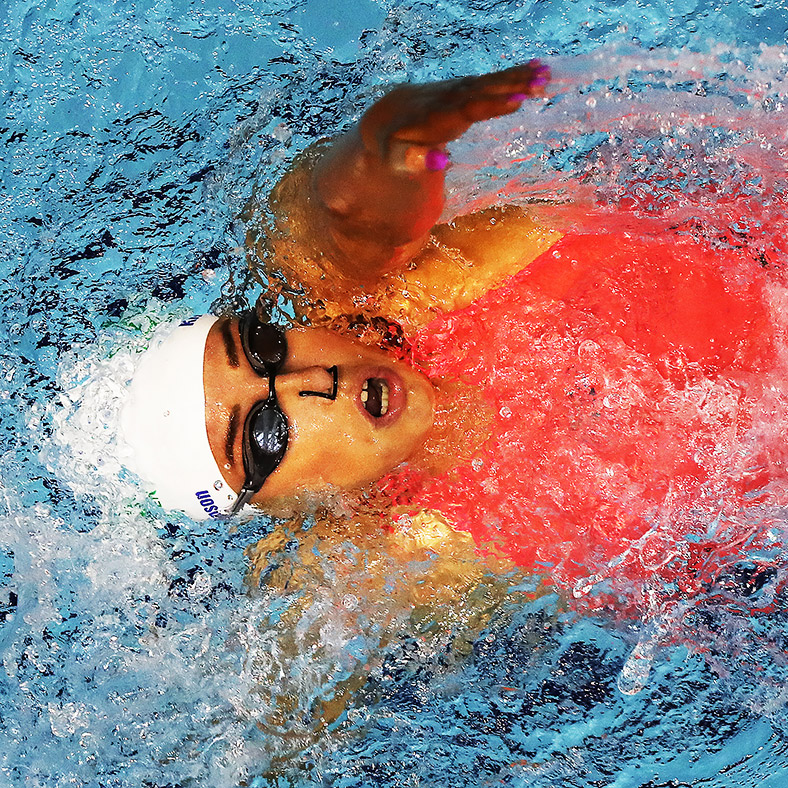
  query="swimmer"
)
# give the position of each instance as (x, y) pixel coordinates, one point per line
(234, 411)
(552, 390)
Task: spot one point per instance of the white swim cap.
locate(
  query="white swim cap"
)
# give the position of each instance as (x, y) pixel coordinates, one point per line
(163, 421)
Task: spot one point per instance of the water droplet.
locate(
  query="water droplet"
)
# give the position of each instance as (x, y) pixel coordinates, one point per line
(635, 674)
(505, 412)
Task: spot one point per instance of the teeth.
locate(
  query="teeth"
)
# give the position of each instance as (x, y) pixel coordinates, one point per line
(384, 399)
(380, 396)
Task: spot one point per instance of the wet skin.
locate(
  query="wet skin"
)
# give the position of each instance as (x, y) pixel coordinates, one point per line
(333, 443)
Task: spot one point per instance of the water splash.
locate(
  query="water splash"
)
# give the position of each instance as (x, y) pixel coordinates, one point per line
(132, 653)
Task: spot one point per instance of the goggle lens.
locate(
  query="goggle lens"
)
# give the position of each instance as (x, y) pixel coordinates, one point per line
(266, 438)
(266, 431)
(263, 343)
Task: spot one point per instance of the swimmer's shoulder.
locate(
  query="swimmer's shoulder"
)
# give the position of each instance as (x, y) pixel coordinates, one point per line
(467, 258)
(461, 261)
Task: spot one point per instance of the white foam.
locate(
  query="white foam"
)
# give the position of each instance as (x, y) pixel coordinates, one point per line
(86, 449)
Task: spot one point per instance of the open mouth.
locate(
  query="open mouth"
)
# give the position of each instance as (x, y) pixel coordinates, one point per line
(375, 397)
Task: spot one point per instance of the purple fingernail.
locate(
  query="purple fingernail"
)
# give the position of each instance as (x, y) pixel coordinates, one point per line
(542, 68)
(436, 159)
(518, 97)
(540, 81)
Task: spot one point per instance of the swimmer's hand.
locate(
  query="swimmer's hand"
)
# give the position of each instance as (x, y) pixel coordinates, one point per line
(410, 126)
(378, 191)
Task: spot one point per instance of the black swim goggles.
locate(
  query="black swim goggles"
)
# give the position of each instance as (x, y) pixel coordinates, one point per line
(266, 429)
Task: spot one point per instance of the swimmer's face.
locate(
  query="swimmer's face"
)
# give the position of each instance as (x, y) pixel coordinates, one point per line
(342, 443)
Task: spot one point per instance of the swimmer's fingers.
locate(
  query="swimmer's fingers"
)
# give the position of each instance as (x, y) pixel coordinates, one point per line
(449, 121)
(480, 98)
(432, 115)
(518, 82)
(378, 190)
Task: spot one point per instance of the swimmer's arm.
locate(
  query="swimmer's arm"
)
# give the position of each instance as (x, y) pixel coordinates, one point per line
(377, 192)
(467, 258)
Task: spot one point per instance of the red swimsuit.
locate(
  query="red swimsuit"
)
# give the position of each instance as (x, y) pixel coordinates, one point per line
(640, 397)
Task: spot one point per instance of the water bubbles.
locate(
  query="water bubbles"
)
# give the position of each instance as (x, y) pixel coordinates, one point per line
(585, 586)
(588, 349)
(201, 585)
(281, 132)
(67, 718)
(505, 412)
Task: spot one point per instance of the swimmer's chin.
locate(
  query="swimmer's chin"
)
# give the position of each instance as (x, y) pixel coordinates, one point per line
(461, 422)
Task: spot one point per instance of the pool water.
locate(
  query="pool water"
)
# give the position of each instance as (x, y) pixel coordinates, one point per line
(133, 652)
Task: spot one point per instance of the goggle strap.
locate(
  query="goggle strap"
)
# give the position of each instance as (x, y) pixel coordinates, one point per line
(246, 495)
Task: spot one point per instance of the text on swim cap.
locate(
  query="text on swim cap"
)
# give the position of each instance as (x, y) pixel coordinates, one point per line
(207, 503)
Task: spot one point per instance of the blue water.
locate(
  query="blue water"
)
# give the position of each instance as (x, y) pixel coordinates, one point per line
(133, 652)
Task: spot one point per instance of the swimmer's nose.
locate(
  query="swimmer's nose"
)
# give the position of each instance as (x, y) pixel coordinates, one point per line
(308, 382)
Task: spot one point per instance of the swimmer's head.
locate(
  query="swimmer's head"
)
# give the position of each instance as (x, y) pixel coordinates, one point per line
(352, 414)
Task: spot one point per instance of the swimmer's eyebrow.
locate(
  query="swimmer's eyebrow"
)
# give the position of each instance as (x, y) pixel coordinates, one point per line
(232, 431)
(229, 344)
